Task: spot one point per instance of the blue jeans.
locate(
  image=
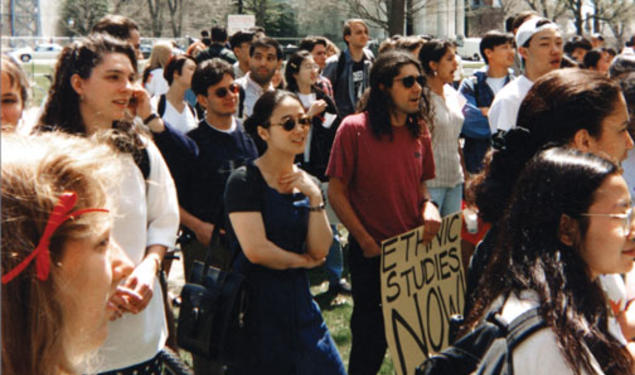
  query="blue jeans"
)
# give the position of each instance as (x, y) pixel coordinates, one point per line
(333, 262)
(447, 198)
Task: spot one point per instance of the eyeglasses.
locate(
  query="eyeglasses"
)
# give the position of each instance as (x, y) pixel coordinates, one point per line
(223, 91)
(627, 219)
(409, 81)
(289, 124)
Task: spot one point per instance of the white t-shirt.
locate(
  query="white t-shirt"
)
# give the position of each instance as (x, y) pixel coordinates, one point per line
(503, 112)
(156, 84)
(182, 121)
(496, 84)
(136, 338)
(539, 353)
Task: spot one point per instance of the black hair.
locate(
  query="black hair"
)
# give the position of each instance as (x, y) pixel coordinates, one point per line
(509, 24)
(266, 42)
(558, 105)
(208, 73)
(433, 50)
(240, 37)
(378, 102)
(293, 67)
(529, 255)
(592, 58)
(310, 41)
(261, 114)
(219, 34)
(577, 41)
(175, 64)
(494, 38)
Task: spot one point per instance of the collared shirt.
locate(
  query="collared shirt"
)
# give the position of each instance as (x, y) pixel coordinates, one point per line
(238, 73)
(253, 91)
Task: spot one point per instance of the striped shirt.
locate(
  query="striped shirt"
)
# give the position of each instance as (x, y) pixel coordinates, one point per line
(447, 124)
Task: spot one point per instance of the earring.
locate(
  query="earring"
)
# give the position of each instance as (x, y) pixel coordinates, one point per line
(81, 98)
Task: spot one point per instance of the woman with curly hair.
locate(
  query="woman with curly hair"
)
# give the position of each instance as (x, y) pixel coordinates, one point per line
(567, 107)
(569, 220)
(93, 94)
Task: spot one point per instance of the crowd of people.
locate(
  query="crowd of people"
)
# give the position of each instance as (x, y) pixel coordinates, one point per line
(255, 162)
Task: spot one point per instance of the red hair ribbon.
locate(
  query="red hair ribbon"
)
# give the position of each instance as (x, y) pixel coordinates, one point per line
(42, 256)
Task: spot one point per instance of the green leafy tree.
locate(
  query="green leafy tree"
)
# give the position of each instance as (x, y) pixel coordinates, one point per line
(276, 17)
(78, 16)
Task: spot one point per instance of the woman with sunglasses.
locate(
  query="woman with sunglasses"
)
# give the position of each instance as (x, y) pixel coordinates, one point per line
(277, 217)
(93, 94)
(555, 241)
(438, 62)
(59, 264)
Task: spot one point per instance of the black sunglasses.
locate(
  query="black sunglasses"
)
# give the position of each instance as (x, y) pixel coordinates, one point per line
(223, 91)
(289, 124)
(409, 81)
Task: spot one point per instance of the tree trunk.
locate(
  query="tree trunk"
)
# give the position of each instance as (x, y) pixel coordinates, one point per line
(410, 18)
(154, 6)
(397, 17)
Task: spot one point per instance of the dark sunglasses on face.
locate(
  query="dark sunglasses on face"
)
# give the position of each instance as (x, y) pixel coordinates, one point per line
(289, 124)
(223, 91)
(409, 81)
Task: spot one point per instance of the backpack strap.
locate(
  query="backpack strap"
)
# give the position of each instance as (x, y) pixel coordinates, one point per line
(161, 107)
(241, 101)
(524, 326)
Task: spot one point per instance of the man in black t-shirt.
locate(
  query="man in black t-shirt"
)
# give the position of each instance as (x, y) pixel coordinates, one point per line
(349, 71)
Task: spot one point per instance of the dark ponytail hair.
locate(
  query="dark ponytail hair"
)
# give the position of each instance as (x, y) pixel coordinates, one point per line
(558, 105)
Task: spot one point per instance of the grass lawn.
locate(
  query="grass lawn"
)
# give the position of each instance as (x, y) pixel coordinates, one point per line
(337, 311)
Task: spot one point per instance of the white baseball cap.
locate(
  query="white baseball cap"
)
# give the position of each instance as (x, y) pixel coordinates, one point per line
(530, 28)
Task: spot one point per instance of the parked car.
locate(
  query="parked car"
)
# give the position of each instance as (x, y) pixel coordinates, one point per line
(24, 54)
(41, 51)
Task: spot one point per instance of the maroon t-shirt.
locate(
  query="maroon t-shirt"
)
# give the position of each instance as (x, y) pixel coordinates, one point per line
(383, 176)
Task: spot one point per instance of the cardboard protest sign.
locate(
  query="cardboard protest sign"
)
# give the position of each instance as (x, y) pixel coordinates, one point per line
(421, 287)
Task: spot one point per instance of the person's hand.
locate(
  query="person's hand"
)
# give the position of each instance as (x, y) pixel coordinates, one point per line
(431, 221)
(317, 107)
(484, 111)
(312, 262)
(119, 301)
(139, 104)
(370, 248)
(204, 232)
(302, 181)
(141, 281)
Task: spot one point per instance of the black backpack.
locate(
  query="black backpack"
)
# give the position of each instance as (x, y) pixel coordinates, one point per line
(487, 350)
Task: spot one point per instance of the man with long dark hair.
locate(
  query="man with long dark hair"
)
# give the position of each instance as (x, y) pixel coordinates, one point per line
(379, 163)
